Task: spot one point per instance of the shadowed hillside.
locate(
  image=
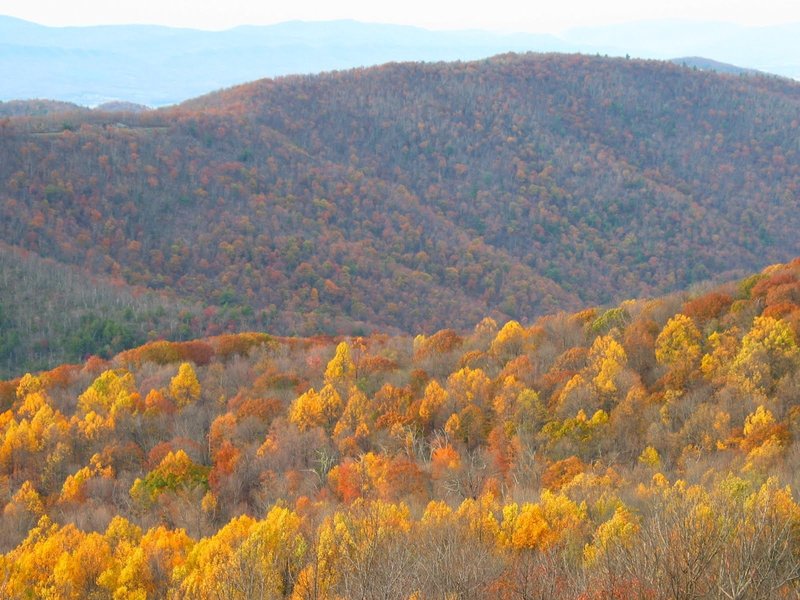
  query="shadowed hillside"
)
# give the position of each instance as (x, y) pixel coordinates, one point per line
(52, 313)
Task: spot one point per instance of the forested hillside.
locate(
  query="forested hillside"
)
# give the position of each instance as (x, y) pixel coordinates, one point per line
(412, 197)
(645, 451)
(51, 313)
(32, 108)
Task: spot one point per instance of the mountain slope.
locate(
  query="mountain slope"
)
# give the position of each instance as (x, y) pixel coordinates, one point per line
(552, 142)
(620, 156)
(52, 313)
(416, 196)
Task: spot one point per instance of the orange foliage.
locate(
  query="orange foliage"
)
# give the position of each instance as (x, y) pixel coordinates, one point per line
(441, 342)
(560, 473)
(157, 403)
(443, 460)
(707, 306)
(226, 457)
(240, 344)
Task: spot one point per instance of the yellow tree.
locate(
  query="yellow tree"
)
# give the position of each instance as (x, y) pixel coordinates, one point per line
(313, 409)
(246, 559)
(510, 341)
(469, 386)
(341, 370)
(74, 488)
(184, 387)
(175, 472)
(356, 423)
(112, 391)
(760, 555)
(723, 348)
(369, 547)
(554, 518)
(434, 399)
(607, 359)
(29, 384)
(25, 508)
(56, 562)
(619, 530)
(768, 352)
(763, 439)
(458, 550)
(143, 565)
(123, 538)
(678, 346)
(268, 560)
(205, 563)
(76, 572)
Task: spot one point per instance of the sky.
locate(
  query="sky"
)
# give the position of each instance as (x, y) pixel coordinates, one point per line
(534, 16)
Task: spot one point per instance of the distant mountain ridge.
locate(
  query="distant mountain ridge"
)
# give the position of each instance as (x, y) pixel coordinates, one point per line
(37, 108)
(158, 66)
(706, 64)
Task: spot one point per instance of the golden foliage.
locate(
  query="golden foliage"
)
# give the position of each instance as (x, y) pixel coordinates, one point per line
(184, 387)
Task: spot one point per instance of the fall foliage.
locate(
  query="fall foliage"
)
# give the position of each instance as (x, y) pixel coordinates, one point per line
(401, 198)
(644, 451)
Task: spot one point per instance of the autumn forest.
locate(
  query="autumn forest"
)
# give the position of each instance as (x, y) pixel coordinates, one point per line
(404, 198)
(523, 328)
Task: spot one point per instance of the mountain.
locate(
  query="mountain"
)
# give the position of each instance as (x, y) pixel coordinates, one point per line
(158, 66)
(706, 64)
(415, 196)
(121, 106)
(34, 108)
(38, 108)
(771, 49)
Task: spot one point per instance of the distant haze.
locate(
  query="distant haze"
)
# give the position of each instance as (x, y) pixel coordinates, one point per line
(499, 15)
(157, 66)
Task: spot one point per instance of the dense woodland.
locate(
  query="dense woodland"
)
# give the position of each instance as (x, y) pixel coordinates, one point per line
(51, 313)
(411, 197)
(644, 451)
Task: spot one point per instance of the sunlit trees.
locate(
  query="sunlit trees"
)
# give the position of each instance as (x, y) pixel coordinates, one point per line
(184, 387)
(607, 358)
(175, 472)
(55, 561)
(372, 550)
(341, 370)
(678, 347)
(541, 525)
(456, 550)
(316, 409)
(509, 341)
(111, 392)
(246, 559)
(533, 471)
(767, 352)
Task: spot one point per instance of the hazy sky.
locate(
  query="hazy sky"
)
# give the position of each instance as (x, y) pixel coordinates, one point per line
(503, 15)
